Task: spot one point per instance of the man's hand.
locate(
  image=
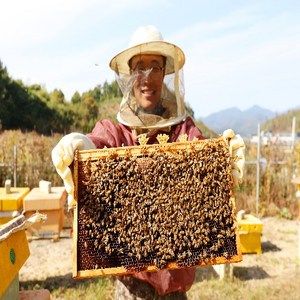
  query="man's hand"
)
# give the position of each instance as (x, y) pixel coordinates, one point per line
(237, 153)
(63, 155)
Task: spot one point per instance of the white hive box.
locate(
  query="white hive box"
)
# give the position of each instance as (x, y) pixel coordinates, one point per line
(51, 204)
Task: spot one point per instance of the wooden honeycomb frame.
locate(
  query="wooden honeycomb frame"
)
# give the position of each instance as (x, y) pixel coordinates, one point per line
(219, 243)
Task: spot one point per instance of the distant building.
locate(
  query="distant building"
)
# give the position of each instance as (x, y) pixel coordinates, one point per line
(287, 139)
(284, 139)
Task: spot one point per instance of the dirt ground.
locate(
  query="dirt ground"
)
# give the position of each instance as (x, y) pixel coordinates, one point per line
(279, 260)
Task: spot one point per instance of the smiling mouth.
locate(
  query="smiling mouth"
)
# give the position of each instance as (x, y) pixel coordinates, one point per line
(148, 92)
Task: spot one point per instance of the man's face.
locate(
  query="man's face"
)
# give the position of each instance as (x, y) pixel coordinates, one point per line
(149, 70)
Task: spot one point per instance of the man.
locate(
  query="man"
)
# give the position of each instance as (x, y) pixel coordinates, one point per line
(149, 73)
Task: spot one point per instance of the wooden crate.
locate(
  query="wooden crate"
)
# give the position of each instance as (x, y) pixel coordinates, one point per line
(39, 200)
(153, 207)
(52, 205)
(51, 227)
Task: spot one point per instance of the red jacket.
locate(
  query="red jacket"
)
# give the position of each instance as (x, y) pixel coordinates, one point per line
(106, 133)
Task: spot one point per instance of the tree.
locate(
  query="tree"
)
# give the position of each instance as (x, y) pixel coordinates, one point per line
(40, 92)
(34, 108)
(76, 98)
(96, 93)
(5, 99)
(111, 90)
(85, 113)
(57, 98)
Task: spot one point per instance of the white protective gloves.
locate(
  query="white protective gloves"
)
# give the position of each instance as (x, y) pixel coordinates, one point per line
(237, 153)
(63, 155)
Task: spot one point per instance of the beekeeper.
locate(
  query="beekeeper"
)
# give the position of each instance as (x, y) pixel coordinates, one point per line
(150, 74)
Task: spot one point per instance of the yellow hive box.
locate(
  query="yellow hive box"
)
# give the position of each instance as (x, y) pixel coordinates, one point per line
(250, 231)
(14, 251)
(14, 199)
(6, 216)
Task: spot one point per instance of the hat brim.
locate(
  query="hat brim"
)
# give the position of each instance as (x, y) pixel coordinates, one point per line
(119, 63)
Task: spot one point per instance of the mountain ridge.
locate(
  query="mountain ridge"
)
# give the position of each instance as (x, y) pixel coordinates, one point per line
(244, 122)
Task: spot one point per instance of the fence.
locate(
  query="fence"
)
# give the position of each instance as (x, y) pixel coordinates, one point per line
(27, 174)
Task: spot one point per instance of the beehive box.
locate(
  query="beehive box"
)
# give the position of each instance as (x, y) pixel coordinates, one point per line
(6, 216)
(51, 204)
(14, 251)
(11, 204)
(14, 199)
(152, 207)
(250, 231)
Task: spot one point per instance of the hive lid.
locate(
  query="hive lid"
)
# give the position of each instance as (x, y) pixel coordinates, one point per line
(13, 200)
(296, 180)
(250, 223)
(39, 200)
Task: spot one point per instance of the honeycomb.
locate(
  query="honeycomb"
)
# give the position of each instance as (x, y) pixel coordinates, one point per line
(153, 207)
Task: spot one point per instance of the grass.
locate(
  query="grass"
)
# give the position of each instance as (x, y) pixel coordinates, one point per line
(65, 287)
(242, 287)
(36, 165)
(287, 231)
(207, 286)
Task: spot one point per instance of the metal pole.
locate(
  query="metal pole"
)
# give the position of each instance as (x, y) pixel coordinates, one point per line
(293, 132)
(298, 239)
(257, 168)
(15, 166)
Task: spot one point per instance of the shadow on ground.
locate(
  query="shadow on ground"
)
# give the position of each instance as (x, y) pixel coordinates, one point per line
(205, 273)
(242, 273)
(269, 247)
(53, 283)
(247, 273)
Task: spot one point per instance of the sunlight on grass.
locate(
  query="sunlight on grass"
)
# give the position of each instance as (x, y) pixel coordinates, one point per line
(288, 231)
(65, 288)
(98, 289)
(237, 288)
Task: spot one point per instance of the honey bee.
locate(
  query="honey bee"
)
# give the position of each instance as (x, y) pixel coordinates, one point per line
(148, 207)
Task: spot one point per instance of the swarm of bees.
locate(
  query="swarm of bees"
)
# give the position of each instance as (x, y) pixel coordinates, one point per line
(158, 208)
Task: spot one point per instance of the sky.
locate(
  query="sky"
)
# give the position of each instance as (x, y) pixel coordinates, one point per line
(238, 53)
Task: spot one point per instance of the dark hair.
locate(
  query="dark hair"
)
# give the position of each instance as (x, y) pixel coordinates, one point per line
(164, 60)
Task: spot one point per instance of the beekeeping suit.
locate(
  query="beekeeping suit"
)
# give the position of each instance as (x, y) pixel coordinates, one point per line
(160, 82)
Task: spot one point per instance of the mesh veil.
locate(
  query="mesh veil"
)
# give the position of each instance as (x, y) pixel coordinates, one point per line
(172, 101)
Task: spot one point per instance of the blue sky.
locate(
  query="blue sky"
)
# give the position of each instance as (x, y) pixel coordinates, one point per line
(238, 53)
